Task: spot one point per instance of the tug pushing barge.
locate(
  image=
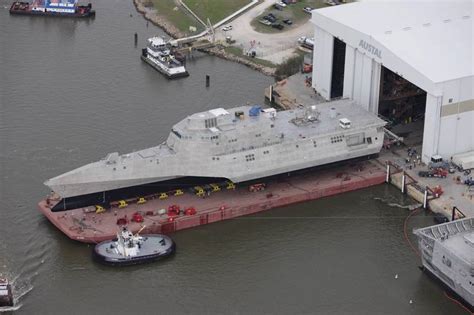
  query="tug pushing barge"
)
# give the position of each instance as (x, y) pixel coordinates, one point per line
(238, 147)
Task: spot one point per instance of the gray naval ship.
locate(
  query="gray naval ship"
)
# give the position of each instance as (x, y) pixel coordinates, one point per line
(447, 252)
(238, 144)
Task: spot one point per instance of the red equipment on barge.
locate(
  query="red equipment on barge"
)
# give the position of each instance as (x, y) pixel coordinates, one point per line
(50, 8)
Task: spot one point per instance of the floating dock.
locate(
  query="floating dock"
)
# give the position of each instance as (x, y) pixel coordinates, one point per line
(91, 226)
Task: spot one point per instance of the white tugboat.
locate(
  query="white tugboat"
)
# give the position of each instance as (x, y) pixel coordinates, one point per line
(158, 55)
(129, 249)
(6, 294)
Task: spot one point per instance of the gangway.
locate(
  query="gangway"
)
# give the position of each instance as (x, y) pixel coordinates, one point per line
(393, 136)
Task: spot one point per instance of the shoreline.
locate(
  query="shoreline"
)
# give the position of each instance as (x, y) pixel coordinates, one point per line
(152, 16)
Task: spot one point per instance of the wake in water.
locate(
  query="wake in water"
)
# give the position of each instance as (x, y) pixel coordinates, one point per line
(397, 205)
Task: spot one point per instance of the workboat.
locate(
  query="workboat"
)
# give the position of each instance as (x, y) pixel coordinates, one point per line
(237, 145)
(59, 8)
(158, 55)
(6, 294)
(130, 249)
(447, 253)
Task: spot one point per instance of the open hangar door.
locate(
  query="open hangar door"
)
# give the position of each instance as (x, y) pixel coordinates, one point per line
(403, 105)
(338, 63)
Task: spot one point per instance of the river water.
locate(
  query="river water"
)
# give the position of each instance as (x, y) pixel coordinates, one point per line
(74, 90)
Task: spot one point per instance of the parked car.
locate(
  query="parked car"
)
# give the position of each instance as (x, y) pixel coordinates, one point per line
(278, 26)
(308, 9)
(227, 28)
(469, 182)
(440, 173)
(287, 21)
(265, 22)
(331, 2)
(271, 18)
(279, 8)
(281, 4)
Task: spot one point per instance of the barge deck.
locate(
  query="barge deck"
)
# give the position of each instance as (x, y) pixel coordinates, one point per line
(88, 226)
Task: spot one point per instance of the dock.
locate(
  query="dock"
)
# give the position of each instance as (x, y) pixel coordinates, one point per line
(440, 195)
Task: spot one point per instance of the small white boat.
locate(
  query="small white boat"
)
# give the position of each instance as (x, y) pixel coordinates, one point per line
(158, 55)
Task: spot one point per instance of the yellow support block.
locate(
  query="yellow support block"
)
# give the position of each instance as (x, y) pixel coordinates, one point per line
(163, 196)
(99, 209)
(178, 192)
(122, 204)
(141, 201)
(215, 187)
(230, 185)
(200, 193)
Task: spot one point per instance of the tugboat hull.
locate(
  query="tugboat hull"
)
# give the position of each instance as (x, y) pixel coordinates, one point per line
(38, 13)
(155, 247)
(6, 294)
(166, 74)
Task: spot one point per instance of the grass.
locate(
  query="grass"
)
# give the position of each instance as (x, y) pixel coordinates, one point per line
(294, 12)
(239, 52)
(290, 66)
(215, 10)
(176, 15)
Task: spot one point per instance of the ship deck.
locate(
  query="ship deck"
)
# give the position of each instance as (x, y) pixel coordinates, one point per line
(87, 226)
(456, 236)
(282, 123)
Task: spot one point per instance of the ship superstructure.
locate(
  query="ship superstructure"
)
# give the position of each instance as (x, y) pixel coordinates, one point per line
(238, 144)
(447, 252)
(158, 55)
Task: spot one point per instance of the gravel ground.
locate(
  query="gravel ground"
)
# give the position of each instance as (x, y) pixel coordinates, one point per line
(272, 47)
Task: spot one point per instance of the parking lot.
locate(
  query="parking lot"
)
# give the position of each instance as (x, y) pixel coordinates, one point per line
(275, 45)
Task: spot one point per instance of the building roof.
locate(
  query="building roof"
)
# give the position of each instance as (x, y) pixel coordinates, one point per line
(433, 37)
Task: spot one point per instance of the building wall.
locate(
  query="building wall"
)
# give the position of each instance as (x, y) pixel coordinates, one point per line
(322, 62)
(449, 116)
(456, 133)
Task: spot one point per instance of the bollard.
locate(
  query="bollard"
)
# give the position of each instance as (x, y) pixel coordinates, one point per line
(136, 39)
(403, 183)
(207, 80)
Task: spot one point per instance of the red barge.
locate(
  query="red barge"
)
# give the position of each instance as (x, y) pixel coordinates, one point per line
(166, 214)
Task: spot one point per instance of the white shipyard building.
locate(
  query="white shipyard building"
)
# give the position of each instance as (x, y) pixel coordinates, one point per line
(403, 60)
